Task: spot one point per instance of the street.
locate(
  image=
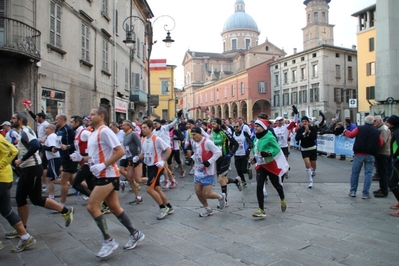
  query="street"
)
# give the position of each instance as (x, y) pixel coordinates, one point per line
(322, 226)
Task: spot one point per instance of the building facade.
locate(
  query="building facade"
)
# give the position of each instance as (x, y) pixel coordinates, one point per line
(162, 85)
(236, 82)
(366, 60)
(69, 56)
(320, 78)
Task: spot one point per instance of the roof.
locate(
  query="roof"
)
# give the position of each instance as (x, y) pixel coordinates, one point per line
(364, 10)
(307, 1)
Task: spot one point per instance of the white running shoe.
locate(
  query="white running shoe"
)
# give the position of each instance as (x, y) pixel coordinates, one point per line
(108, 247)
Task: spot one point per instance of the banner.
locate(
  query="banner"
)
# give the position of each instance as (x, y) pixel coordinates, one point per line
(344, 145)
(330, 143)
(326, 143)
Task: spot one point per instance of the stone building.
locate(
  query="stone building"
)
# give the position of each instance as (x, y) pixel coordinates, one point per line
(69, 56)
(236, 82)
(322, 77)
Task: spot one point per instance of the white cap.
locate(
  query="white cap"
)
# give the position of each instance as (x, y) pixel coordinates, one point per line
(278, 118)
(5, 123)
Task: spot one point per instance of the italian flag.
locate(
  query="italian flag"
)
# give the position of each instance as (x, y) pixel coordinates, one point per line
(276, 164)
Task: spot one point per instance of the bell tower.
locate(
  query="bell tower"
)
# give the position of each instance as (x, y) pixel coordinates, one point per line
(317, 31)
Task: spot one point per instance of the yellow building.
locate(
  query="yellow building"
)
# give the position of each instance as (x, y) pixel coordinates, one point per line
(162, 85)
(366, 58)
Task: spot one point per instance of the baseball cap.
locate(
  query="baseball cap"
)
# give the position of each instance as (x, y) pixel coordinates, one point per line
(196, 130)
(5, 123)
(278, 118)
(163, 121)
(191, 121)
(157, 121)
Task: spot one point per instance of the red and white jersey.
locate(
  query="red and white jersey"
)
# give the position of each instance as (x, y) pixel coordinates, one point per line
(101, 145)
(152, 149)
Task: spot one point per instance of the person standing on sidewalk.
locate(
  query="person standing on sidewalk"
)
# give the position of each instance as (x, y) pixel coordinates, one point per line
(367, 142)
(393, 125)
(7, 153)
(29, 183)
(205, 155)
(269, 161)
(308, 136)
(154, 153)
(383, 158)
(104, 150)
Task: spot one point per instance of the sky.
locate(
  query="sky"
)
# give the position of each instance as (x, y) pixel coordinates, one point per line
(199, 23)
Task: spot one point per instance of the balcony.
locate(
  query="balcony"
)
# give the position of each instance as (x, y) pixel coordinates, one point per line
(19, 39)
(154, 100)
(138, 96)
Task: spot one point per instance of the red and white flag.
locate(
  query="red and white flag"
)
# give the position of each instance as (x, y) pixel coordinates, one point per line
(158, 64)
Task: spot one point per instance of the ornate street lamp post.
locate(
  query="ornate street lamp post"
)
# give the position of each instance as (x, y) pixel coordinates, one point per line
(130, 42)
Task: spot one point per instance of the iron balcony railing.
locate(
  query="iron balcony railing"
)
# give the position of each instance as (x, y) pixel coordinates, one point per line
(138, 96)
(18, 37)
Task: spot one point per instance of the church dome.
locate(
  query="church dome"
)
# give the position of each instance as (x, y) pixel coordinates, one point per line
(240, 20)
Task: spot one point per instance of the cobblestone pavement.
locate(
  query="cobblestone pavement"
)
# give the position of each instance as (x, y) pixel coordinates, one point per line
(322, 226)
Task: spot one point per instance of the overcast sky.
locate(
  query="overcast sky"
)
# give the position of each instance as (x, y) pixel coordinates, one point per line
(198, 25)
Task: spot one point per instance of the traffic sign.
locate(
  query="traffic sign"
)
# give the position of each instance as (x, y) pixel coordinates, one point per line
(352, 103)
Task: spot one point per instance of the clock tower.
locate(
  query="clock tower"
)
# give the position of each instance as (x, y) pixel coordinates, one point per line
(317, 31)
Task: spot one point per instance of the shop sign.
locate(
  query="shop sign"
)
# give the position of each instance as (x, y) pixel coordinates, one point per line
(52, 94)
(121, 106)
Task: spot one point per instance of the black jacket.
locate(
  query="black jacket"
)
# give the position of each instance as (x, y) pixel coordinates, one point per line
(367, 140)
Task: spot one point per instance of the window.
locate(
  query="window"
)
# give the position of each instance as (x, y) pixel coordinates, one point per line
(165, 114)
(206, 97)
(354, 94)
(314, 55)
(371, 44)
(302, 94)
(314, 93)
(349, 58)
(302, 58)
(115, 69)
(303, 73)
(116, 22)
(294, 61)
(55, 24)
(370, 93)
(105, 7)
(323, 16)
(337, 95)
(217, 94)
(262, 87)
(294, 98)
(350, 73)
(294, 75)
(105, 55)
(225, 92)
(247, 43)
(285, 64)
(337, 55)
(85, 42)
(232, 90)
(285, 77)
(348, 95)
(234, 44)
(316, 16)
(337, 71)
(126, 78)
(276, 67)
(211, 96)
(136, 81)
(138, 47)
(286, 98)
(314, 71)
(370, 68)
(242, 87)
(164, 87)
(276, 100)
(276, 78)
(308, 18)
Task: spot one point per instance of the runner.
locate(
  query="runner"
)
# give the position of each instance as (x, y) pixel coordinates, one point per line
(29, 183)
(223, 140)
(154, 153)
(104, 150)
(7, 154)
(205, 155)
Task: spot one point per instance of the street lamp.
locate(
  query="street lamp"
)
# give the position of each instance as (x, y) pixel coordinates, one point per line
(130, 41)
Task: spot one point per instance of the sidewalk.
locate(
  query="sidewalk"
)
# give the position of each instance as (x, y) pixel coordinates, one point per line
(322, 226)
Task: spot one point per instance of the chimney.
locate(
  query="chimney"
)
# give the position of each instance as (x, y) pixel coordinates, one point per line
(354, 47)
(295, 50)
